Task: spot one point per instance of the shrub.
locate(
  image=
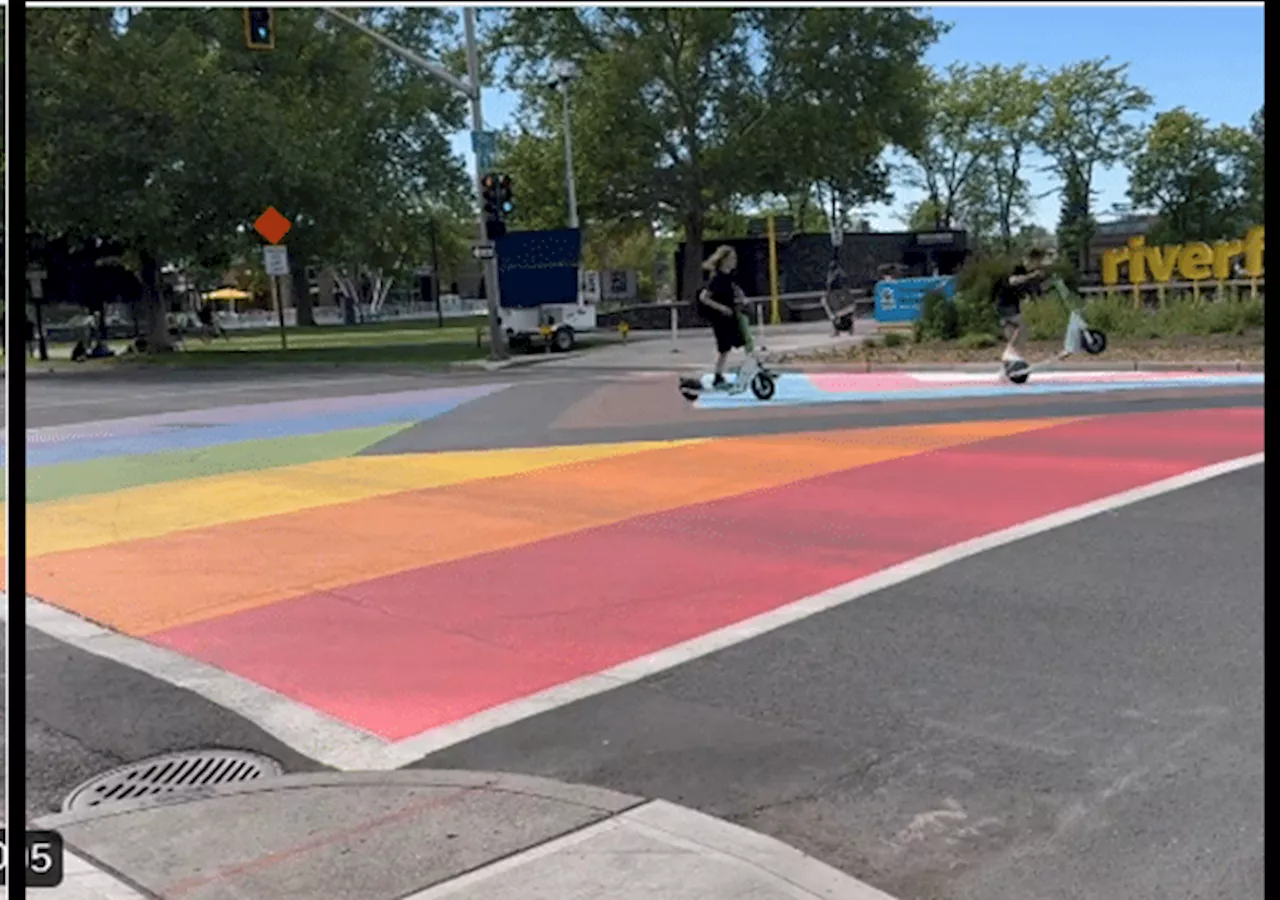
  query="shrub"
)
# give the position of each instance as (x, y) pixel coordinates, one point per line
(939, 319)
(1116, 314)
(977, 340)
(980, 274)
(894, 339)
(977, 314)
(1251, 312)
(975, 293)
(1045, 318)
(1187, 315)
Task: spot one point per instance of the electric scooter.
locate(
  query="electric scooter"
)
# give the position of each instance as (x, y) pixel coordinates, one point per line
(750, 374)
(1079, 337)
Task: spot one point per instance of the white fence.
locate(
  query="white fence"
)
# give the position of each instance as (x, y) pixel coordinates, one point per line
(451, 307)
(1251, 287)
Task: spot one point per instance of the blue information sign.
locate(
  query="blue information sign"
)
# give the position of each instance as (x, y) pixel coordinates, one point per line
(902, 299)
(537, 267)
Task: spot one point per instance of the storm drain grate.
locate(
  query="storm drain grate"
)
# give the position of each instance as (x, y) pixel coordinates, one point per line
(168, 774)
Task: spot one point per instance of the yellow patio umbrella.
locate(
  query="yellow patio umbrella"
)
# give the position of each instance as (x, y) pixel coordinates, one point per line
(226, 293)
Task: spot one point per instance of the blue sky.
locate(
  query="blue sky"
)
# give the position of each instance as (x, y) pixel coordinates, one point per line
(1208, 58)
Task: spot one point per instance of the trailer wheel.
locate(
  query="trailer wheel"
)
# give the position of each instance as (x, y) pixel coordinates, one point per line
(562, 340)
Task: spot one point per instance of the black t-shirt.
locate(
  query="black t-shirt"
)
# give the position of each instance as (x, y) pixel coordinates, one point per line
(1009, 294)
(720, 289)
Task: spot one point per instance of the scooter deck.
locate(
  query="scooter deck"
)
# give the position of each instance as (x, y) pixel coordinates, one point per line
(704, 385)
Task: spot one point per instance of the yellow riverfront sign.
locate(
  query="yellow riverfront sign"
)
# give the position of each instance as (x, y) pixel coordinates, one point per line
(1194, 262)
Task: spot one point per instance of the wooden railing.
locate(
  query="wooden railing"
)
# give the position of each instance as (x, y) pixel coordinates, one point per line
(1217, 289)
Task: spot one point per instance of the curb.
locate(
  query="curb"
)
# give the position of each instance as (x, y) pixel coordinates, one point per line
(661, 842)
(1118, 365)
(586, 796)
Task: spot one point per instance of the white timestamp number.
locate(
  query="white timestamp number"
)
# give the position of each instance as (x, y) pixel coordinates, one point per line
(42, 858)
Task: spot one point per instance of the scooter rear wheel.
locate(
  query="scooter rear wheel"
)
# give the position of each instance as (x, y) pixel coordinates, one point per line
(763, 386)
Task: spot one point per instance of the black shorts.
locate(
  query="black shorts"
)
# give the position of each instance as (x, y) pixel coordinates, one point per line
(1010, 314)
(728, 332)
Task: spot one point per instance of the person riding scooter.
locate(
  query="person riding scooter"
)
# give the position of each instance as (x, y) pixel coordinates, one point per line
(1023, 282)
(720, 300)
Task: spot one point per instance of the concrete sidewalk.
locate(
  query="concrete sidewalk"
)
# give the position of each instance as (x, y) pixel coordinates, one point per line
(688, 348)
(422, 835)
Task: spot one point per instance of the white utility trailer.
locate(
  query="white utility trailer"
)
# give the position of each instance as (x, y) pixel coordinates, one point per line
(523, 325)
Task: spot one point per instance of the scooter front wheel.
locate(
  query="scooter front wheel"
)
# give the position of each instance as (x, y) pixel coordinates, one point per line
(1094, 341)
(1018, 372)
(763, 386)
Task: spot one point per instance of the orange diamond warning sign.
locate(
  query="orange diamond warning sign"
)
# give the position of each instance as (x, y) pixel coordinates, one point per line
(272, 225)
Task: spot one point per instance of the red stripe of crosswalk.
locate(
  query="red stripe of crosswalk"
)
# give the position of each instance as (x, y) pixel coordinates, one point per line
(402, 654)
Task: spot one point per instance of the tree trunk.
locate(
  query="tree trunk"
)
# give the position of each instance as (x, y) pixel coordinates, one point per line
(156, 310)
(691, 277)
(326, 287)
(300, 289)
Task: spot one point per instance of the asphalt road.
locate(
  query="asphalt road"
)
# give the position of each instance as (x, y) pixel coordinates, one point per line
(1078, 714)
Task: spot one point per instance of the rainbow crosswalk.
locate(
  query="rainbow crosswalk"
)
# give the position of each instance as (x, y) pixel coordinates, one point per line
(398, 593)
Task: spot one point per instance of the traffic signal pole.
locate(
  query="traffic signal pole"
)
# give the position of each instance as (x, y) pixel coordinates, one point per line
(497, 340)
(471, 88)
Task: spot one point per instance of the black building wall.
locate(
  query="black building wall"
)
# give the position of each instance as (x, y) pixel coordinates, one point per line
(803, 260)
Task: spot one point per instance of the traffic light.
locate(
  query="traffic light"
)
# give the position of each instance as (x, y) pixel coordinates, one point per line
(489, 193)
(259, 28)
(495, 190)
(506, 200)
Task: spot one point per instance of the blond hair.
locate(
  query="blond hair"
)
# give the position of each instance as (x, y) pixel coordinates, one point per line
(712, 262)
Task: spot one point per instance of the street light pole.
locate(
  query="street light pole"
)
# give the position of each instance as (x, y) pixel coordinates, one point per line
(568, 158)
(565, 73)
(471, 88)
(497, 341)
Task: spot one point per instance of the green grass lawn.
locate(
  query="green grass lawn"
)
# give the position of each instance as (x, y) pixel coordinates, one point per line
(415, 342)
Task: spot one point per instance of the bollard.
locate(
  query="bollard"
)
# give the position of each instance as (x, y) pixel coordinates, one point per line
(675, 327)
(546, 338)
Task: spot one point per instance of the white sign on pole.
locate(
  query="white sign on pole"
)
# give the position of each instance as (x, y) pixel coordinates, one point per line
(484, 144)
(276, 260)
(482, 251)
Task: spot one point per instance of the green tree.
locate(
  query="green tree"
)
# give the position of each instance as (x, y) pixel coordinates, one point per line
(1243, 152)
(1191, 175)
(1085, 125)
(1256, 181)
(949, 157)
(1029, 236)
(156, 128)
(1010, 100)
(682, 111)
(826, 65)
(535, 163)
(925, 215)
(977, 212)
(1076, 224)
